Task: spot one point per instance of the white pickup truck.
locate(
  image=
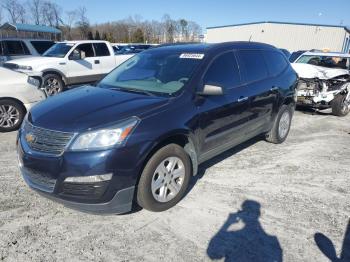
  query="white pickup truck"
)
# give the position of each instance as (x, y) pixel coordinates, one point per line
(70, 63)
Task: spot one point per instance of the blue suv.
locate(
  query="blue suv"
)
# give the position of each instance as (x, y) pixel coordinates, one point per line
(139, 135)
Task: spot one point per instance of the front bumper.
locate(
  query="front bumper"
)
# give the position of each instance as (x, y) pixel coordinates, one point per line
(46, 175)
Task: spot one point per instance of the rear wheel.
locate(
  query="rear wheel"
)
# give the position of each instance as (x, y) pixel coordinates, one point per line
(11, 115)
(340, 106)
(53, 84)
(164, 179)
(281, 127)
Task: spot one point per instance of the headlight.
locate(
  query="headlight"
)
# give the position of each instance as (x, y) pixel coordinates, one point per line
(23, 67)
(106, 137)
(89, 179)
(33, 81)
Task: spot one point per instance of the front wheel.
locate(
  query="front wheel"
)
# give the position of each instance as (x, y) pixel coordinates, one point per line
(53, 84)
(340, 106)
(281, 126)
(164, 179)
(11, 115)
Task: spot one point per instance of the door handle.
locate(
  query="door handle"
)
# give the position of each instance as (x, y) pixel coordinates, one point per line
(242, 98)
(274, 88)
(97, 61)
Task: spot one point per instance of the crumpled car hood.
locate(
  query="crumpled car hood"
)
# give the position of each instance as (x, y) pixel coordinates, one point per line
(312, 71)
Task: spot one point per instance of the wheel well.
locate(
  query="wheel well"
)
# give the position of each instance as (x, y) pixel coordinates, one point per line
(288, 101)
(181, 140)
(55, 73)
(16, 100)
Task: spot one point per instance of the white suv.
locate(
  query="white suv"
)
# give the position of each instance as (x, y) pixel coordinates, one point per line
(70, 63)
(20, 48)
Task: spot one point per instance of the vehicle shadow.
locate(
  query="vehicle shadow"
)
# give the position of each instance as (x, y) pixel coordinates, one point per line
(248, 243)
(328, 248)
(211, 162)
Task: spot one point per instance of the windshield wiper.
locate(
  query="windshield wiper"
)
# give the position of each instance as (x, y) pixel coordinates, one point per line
(134, 90)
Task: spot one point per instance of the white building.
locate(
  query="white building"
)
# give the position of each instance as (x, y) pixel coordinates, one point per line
(291, 36)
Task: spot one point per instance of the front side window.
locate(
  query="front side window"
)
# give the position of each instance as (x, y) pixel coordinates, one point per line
(223, 72)
(157, 72)
(86, 48)
(253, 65)
(276, 62)
(58, 50)
(101, 49)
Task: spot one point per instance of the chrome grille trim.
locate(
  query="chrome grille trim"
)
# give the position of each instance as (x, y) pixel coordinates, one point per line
(46, 140)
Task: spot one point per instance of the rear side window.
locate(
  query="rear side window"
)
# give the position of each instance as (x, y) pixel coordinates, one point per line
(16, 48)
(41, 46)
(87, 48)
(223, 72)
(253, 65)
(275, 61)
(101, 49)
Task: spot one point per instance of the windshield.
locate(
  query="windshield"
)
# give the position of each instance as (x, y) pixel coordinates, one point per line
(325, 61)
(156, 72)
(58, 50)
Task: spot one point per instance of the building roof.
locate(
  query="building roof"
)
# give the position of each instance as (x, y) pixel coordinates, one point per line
(286, 23)
(30, 28)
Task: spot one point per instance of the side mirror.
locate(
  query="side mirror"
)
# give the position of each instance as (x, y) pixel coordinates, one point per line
(211, 90)
(75, 55)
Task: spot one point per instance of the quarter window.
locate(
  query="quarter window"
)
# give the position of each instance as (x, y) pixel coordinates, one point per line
(223, 72)
(253, 65)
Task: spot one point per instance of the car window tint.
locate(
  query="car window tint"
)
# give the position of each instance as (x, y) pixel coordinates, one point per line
(223, 72)
(275, 61)
(41, 46)
(87, 48)
(101, 49)
(1, 49)
(15, 48)
(253, 65)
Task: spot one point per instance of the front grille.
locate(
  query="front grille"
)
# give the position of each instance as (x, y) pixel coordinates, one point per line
(39, 180)
(45, 140)
(11, 66)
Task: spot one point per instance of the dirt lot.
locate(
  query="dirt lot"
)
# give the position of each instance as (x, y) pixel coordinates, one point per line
(299, 188)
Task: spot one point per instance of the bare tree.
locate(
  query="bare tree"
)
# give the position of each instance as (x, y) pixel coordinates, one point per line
(35, 11)
(83, 22)
(1, 15)
(51, 13)
(170, 28)
(15, 10)
(71, 17)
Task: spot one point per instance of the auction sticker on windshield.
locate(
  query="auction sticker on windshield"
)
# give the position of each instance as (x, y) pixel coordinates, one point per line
(192, 56)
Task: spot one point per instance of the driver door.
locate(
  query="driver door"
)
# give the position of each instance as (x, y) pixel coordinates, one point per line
(82, 65)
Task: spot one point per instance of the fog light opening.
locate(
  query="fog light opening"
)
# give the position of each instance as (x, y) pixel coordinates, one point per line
(89, 179)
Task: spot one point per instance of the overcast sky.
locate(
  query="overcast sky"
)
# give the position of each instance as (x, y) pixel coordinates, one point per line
(218, 12)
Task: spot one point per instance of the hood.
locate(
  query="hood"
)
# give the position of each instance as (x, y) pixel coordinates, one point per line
(9, 77)
(34, 60)
(89, 107)
(312, 71)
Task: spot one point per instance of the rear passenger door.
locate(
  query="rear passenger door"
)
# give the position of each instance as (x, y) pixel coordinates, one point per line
(104, 58)
(261, 91)
(223, 117)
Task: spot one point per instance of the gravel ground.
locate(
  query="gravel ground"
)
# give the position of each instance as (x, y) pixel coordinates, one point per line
(286, 193)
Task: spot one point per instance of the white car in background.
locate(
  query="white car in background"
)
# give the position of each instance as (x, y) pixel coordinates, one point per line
(324, 81)
(70, 63)
(18, 93)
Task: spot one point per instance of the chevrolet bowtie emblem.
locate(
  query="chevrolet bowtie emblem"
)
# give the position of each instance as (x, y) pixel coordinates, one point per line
(30, 138)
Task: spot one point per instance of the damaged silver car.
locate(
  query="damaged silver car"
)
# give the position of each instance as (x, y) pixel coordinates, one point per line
(324, 81)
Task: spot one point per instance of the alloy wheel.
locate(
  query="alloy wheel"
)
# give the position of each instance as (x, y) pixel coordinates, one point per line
(284, 124)
(9, 116)
(52, 86)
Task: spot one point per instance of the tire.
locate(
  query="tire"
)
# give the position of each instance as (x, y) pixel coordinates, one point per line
(158, 196)
(340, 107)
(279, 133)
(11, 115)
(53, 84)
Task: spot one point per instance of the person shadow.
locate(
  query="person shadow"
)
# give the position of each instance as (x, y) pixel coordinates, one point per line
(247, 244)
(328, 249)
